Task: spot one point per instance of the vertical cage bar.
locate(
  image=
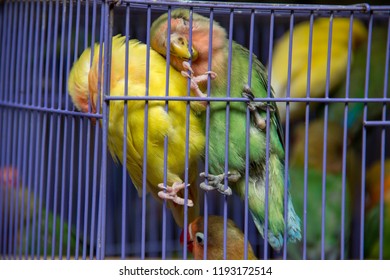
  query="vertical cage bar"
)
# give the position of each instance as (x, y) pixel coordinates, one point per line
(227, 127)
(145, 149)
(37, 132)
(287, 133)
(44, 130)
(306, 152)
(7, 137)
(72, 160)
(267, 141)
(165, 176)
(56, 157)
(207, 136)
(11, 176)
(3, 126)
(87, 153)
(18, 88)
(23, 90)
(95, 147)
(383, 148)
(325, 137)
(37, 93)
(80, 152)
(364, 140)
(108, 19)
(124, 148)
(6, 81)
(67, 122)
(95, 224)
(247, 136)
(345, 135)
(186, 150)
(32, 130)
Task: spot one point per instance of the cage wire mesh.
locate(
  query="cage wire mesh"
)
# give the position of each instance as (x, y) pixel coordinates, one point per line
(63, 196)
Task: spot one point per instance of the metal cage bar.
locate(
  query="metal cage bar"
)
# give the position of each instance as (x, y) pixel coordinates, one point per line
(58, 185)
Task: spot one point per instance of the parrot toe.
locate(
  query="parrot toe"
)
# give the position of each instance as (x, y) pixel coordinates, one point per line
(255, 107)
(195, 80)
(234, 176)
(215, 183)
(170, 193)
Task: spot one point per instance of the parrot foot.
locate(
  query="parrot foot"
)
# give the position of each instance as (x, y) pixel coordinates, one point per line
(170, 193)
(195, 80)
(214, 182)
(254, 106)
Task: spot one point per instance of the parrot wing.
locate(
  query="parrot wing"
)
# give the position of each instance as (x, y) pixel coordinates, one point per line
(262, 77)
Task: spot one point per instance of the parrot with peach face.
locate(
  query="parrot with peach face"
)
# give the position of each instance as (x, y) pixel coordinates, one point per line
(215, 236)
(198, 54)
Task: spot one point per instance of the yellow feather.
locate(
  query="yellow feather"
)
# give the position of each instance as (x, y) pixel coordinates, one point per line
(160, 123)
(299, 62)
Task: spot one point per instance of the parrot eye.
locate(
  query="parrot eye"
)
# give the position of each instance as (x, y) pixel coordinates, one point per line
(185, 22)
(199, 237)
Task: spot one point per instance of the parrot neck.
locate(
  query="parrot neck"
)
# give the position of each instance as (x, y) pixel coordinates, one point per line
(218, 53)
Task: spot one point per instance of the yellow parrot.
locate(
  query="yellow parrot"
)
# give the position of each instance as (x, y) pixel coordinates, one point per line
(299, 61)
(160, 123)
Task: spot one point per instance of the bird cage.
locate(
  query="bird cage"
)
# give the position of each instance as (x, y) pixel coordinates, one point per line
(324, 83)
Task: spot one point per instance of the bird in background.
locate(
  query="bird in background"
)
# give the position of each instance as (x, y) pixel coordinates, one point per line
(83, 85)
(198, 54)
(319, 60)
(215, 235)
(357, 85)
(333, 188)
(372, 214)
(10, 178)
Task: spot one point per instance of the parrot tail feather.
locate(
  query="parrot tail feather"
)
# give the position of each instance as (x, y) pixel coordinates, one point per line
(276, 241)
(293, 223)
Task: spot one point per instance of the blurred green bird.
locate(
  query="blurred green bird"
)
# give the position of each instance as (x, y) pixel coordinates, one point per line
(333, 192)
(9, 176)
(371, 225)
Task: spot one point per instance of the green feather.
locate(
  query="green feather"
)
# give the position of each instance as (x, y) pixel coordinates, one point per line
(237, 132)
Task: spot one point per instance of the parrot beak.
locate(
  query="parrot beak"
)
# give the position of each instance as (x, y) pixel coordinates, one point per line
(190, 244)
(179, 48)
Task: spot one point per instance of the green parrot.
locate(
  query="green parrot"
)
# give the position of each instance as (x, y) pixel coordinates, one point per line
(357, 84)
(180, 54)
(371, 224)
(9, 179)
(333, 193)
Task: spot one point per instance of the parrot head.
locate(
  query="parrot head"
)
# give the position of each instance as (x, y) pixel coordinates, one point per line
(179, 36)
(215, 236)
(178, 39)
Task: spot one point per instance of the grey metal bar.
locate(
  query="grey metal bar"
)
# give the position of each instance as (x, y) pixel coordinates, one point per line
(345, 134)
(383, 148)
(364, 140)
(227, 125)
(165, 176)
(306, 152)
(124, 148)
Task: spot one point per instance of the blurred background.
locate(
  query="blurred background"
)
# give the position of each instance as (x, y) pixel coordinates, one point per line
(52, 156)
